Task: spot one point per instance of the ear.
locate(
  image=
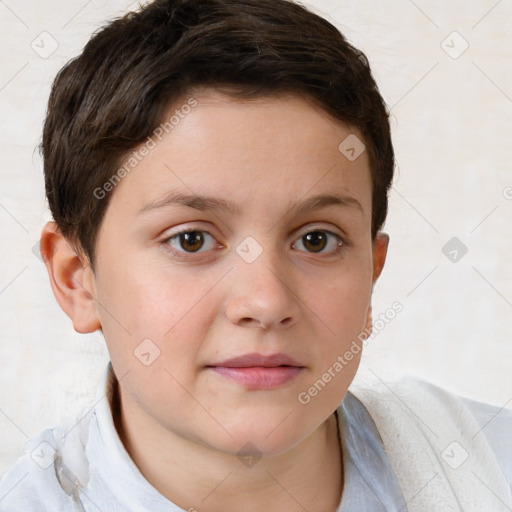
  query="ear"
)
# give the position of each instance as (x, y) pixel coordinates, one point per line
(380, 250)
(71, 278)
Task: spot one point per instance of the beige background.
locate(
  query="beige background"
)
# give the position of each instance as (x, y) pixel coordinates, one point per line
(452, 131)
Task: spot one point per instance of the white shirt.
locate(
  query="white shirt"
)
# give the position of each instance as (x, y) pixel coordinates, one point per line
(86, 468)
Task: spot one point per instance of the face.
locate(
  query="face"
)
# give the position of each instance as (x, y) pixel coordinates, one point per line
(234, 266)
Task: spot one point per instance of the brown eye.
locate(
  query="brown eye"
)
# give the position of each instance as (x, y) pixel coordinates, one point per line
(190, 241)
(317, 241)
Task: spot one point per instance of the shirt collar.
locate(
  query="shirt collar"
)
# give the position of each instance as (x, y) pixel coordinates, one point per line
(116, 471)
(370, 484)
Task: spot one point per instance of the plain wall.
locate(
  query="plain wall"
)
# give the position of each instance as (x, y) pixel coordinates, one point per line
(451, 121)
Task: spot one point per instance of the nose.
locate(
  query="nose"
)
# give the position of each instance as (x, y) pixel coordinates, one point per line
(262, 295)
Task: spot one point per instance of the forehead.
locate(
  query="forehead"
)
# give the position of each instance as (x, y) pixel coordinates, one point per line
(262, 152)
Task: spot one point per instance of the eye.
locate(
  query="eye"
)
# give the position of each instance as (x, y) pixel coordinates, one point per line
(316, 241)
(191, 241)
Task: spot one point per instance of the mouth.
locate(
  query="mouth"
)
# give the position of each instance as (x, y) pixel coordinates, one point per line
(259, 372)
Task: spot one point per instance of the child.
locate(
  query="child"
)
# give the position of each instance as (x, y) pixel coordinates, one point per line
(217, 172)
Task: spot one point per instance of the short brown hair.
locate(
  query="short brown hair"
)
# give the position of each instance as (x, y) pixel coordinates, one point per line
(109, 99)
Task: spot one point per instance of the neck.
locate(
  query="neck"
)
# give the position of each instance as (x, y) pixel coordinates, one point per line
(199, 478)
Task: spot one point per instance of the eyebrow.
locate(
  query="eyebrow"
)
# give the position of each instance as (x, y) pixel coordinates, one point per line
(208, 203)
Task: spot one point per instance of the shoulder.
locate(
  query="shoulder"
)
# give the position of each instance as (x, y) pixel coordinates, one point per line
(394, 401)
(495, 423)
(425, 401)
(421, 398)
(32, 480)
(409, 411)
(49, 473)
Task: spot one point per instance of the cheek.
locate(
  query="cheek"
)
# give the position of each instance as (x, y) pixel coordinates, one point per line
(342, 311)
(342, 304)
(342, 308)
(145, 297)
(165, 308)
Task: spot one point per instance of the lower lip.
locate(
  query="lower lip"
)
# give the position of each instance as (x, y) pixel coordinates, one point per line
(259, 377)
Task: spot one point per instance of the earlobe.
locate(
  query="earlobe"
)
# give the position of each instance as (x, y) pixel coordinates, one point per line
(71, 279)
(380, 250)
(369, 323)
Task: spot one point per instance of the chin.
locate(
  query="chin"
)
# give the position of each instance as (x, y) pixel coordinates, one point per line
(268, 437)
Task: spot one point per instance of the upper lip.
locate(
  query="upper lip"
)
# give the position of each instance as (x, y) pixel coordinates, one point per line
(254, 359)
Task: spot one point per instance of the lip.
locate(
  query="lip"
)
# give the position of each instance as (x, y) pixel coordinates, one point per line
(258, 372)
(255, 359)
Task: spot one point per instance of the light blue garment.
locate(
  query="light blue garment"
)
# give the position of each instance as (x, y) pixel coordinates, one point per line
(86, 468)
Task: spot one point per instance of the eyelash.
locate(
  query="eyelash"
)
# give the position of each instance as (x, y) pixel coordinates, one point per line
(340, 242)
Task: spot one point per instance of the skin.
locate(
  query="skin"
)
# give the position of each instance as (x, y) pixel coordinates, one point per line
(207, 306)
